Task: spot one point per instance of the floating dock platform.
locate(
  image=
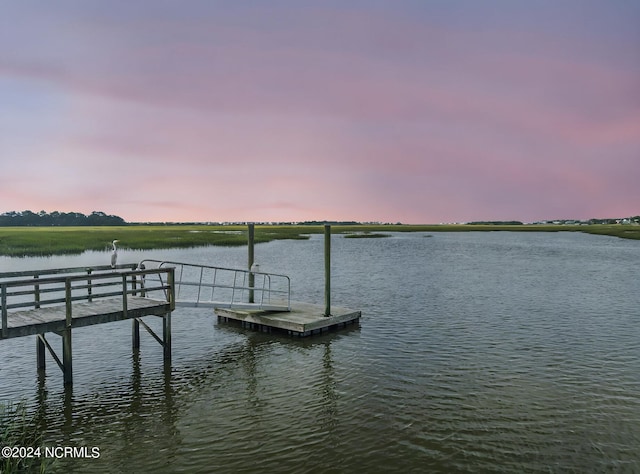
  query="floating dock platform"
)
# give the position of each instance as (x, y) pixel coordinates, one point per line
(304, 319)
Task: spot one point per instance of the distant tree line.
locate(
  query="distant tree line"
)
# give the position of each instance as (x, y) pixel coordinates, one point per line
(495, 223)
(55, 218)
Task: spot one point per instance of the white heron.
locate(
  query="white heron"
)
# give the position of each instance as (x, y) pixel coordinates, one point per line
(114, 254)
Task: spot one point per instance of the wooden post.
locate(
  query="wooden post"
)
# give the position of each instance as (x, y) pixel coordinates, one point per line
(124, 296)
(171, 292)
(327, 270)
(166, 335)
(3, 308)
(135, 334)
(251, 240)
(89, 289)
(134, 285)
(67, 364)
(67, 298)
(166, 320)
(40, 348)
(142, 292)
(36, 294)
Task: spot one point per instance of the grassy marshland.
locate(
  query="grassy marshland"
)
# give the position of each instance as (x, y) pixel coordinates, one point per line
(42, 241)
(365, 235)
(18, 429)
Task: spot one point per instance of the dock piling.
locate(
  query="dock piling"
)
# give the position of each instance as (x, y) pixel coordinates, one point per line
(67, 363)
(327, 270)
(166, 336)
(252, 277)
(135, 334)
(3, 308)
(40, 353)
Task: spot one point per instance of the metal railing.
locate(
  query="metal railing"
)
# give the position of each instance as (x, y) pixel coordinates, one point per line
(36, 289)
(205, 285)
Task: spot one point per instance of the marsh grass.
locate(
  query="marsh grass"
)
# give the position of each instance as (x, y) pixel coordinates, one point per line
(18, 429)
(622, 231)
(366, 235)
(44, 241)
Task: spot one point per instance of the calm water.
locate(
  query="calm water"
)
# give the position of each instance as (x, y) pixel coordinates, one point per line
(477, 352)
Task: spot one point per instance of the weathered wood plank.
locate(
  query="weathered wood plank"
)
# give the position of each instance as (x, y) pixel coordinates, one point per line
(303, 319)
(98, 311)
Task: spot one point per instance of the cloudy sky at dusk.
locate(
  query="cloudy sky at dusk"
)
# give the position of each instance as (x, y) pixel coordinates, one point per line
(419, 111)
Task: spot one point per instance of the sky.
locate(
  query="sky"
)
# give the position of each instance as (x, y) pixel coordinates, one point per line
(413, 111)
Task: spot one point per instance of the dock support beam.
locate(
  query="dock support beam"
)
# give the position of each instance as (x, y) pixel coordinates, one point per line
(135, 334)
(166, 336)
(67, 365)
(327, 270)
(251, 240)
(40, 352)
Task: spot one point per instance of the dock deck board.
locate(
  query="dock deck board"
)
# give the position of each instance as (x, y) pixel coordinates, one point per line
(104, 310)
(304, 319)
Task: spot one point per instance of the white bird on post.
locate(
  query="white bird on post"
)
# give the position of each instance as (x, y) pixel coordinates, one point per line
(114, 254)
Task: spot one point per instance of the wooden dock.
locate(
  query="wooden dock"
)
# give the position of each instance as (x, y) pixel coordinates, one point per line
(57, 301)
(303, 320)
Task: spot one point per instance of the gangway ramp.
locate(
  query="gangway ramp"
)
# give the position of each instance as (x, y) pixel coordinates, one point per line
(209, 286)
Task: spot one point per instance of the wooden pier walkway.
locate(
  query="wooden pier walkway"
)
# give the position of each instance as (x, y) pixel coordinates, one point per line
(54, 318)
(57, 301)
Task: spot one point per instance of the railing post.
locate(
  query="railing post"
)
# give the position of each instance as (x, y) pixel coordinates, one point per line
(89, 289)
(142, 291)
(327, 270)
(67, 298)
(124, 296)
(171, 280)
(36, 292)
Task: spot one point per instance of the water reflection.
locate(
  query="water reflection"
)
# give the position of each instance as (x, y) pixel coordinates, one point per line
(122, 420)
(327, 418)
(144, 418)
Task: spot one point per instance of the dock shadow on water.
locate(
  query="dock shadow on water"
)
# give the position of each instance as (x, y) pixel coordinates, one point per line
(476, 352)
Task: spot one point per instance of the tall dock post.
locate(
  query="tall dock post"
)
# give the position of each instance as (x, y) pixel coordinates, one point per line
(40, 354)
(67, 363)
(135, 334)
(327, 270)
(40, 348)
(67, 360)
(166, 336)
(251, 239)
(166, 319)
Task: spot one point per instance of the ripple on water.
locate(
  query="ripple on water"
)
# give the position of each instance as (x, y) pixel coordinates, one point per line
(476, 353)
